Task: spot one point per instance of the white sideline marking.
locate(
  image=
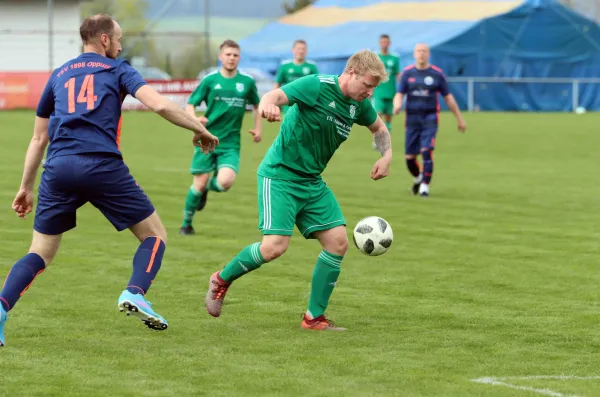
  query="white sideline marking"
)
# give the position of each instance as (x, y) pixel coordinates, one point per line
(498, 381)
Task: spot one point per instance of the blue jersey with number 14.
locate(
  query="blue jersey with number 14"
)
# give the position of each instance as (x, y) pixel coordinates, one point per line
(83, 101)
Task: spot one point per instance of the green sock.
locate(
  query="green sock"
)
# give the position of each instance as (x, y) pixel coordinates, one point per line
(324, 278)
(214, 186)
(389, 126)
(247, 260)
(191, 203)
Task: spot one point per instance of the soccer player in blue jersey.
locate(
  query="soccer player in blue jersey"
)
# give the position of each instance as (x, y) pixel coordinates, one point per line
(422, 83)
(79, 115)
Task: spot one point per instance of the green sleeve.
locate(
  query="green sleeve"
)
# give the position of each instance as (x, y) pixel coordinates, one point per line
(367, 115)
(305, 90)
(199, 95)
(279, 76)
(252, 96)
(315, 70)
(397, 67)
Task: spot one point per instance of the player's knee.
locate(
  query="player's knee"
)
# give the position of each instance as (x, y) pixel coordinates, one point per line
(410, 156)
(226, 184)
(225, 178)
(339, 246)
(273, 249)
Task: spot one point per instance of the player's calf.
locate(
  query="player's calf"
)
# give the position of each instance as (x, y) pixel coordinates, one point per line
(413, 167)
(427, 155)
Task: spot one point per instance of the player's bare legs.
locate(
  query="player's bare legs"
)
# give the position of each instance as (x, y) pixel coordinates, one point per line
(327, 270)
(224, 179)
(220, 182)
(146, 264)
(249, 259)
(42, 251)
(413, 167)
(195, 200)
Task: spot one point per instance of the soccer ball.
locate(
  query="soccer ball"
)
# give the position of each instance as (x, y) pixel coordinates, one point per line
(373, 235)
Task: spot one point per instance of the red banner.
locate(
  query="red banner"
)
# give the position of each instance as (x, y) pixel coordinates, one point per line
(177, 91)
(21, 90)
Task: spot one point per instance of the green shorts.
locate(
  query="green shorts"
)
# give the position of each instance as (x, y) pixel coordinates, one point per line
(383, 106)
(205, 163)
(310, 205)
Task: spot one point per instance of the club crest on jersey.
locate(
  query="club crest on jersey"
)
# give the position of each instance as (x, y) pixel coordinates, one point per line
(239, 87)
(352, 111)
(305, 70)
(428, 80)
(390, 62)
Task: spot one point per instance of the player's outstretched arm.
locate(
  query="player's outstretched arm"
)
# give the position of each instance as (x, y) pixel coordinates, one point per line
(172, 112)
(383, 142)
(23, 203)
(453, 106)
(268, 107)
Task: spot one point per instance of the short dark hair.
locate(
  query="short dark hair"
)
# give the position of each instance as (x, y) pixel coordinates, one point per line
(95, 26)
(299, 41)
(384, 36)
(229, 44)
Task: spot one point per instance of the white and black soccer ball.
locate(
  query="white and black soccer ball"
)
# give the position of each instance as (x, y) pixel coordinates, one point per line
(373, 235)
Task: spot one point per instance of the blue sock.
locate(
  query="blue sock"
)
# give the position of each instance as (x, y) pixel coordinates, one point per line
(146, 264)
(21, 276)
(427, 165)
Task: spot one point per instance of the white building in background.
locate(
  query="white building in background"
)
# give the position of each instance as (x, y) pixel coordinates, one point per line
(24, 34)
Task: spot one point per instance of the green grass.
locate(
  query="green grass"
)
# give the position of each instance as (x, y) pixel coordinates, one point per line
(495, 275)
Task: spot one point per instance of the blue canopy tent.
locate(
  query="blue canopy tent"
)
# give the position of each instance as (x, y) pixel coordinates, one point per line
(485, 39)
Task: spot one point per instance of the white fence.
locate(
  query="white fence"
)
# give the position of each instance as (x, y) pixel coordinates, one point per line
(570, 87)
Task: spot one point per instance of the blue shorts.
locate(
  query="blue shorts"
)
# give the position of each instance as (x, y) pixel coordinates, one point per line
(421, 134)
(68, 182)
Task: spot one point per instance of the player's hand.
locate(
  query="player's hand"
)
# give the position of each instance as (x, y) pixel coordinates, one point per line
(205, 141)
(381, 169)
(256, 135)
(462, 126)
(23, 203)
(203, 120)
(271, 113)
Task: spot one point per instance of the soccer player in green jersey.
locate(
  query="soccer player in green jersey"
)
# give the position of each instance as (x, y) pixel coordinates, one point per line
(290, 189)
(226, 93)
(384, 94)
(292, 69)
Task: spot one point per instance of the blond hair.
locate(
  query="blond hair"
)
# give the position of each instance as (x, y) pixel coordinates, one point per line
(366, 61)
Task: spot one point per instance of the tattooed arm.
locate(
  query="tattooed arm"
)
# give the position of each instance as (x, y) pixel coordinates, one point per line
(383, 142)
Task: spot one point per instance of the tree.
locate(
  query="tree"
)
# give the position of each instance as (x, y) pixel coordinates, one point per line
(296, 5)
(130, 14)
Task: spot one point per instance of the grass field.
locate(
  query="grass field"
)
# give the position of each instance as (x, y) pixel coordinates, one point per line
(496, 275)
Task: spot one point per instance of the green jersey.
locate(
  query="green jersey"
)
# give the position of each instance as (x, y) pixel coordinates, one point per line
(289, 71)
(318, 122)
(226, 100)
(387, 90)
